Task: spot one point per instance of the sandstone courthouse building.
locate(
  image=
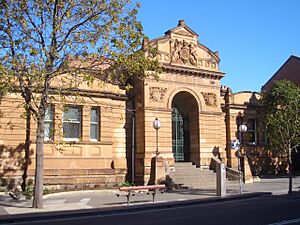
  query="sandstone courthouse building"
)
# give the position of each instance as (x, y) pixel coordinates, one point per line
(108, 138)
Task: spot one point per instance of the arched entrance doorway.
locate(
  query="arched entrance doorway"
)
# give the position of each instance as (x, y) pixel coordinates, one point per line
(185, 128)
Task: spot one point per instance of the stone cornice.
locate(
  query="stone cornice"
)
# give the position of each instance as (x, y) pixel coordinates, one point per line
(82, 92)
(211, 113)
(91, 93)
(193, 71)
(240, 106)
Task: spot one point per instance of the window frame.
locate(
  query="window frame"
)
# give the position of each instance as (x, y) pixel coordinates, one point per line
(97, 123)
(49, 121)
(252, 131)
(241, 135)
(72, 122)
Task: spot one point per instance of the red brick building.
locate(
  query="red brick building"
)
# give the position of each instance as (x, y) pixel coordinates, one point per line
(290, 70)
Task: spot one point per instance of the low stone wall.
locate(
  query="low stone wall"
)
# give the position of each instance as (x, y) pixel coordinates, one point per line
(61, 171)
(264, 162)
(67, 179)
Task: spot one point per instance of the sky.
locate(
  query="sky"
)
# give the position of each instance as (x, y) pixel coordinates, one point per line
(254, 37)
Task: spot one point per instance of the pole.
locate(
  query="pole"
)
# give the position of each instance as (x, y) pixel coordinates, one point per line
(156, 126)
(239, 168)
(242, 128)
(133, 148)
(157, 142)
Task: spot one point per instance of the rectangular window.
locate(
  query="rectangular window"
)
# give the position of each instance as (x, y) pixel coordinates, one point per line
(94, 124)
(252, 134)
(72, 123)
(239, 133)
(49, 124)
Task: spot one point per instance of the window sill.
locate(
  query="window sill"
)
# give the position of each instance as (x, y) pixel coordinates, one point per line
(69, 142)
(48, 141)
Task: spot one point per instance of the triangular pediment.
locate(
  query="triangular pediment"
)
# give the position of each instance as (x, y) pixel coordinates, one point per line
(182, 29)
(180, 48)
(183, 32)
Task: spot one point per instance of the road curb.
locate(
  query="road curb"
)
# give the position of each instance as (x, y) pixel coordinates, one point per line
(40, 216)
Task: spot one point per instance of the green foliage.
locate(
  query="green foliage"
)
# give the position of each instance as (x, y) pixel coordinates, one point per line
(54, 46)
(28, 191)
(41, 40)
(282, 115)
(5, 85)
(126, 184)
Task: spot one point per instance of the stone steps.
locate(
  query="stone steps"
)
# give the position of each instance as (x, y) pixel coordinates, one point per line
(187, 175)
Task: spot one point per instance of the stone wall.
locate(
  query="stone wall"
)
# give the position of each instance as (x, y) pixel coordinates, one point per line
(240, 108)
(79, 163)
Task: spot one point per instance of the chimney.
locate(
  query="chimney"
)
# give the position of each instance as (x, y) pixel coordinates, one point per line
(181, 23)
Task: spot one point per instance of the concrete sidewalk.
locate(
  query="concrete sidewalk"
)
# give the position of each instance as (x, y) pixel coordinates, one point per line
(107, 199)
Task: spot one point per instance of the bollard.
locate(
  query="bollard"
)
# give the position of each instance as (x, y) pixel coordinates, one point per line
(221, 179)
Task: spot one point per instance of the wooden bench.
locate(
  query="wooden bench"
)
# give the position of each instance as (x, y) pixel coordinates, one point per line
(137, 190)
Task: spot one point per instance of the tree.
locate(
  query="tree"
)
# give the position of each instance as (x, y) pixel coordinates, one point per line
(282, 117)
(40, 38)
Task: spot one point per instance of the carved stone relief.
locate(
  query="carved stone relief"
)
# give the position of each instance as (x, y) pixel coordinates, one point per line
(210, 99)
(184, 52)
(157, 94)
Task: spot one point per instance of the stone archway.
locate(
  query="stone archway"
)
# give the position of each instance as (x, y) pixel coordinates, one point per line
(185, 128)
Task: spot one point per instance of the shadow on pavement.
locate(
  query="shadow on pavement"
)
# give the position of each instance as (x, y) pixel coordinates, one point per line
(131, 202)
(206, 192)
(6, 201)
(277, 176)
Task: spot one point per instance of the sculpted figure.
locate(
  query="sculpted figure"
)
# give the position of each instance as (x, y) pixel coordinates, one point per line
(175, 53)
(193, 55)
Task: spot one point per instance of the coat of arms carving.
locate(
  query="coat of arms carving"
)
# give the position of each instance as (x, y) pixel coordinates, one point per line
(184, 52)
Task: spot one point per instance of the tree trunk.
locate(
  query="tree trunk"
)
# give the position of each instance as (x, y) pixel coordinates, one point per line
(290, 171)
(27, 149)
(39, 170)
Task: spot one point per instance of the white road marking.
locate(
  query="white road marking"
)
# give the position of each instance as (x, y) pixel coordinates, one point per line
(85, 200)
(286, 222)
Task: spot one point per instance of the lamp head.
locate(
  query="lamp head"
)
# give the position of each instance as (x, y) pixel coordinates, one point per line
(156, 124)
(243, 128)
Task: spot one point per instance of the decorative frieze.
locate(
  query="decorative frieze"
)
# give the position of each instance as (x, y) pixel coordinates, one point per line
(157, 94)
(210, 98)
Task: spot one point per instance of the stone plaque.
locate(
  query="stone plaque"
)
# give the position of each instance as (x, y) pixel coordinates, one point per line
(210, 99)
(157, 94)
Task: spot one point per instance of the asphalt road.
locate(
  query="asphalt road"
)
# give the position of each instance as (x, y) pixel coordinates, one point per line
(275, 210)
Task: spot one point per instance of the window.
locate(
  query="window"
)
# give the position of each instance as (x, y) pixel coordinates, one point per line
(94, 124)
(239, 133)
(252, 134)
(249, 137)
(72, 123)
(49, 128)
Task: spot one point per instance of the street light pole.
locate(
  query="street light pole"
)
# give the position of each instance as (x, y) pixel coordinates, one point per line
(133, 148)
(156, 125)
(132, 111)
(242, 128)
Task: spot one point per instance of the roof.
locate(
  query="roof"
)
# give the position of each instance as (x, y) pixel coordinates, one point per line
(181, 23)
(290, 70)
(188, 32)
